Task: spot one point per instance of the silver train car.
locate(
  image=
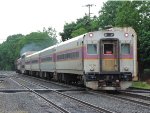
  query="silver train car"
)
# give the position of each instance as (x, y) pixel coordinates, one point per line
(18, 65)
(101, 60)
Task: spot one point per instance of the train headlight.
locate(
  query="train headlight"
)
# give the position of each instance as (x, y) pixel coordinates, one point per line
(126, 34)
(90, 34)
(126, 68)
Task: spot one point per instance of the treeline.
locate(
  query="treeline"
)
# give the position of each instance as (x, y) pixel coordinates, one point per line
(135, 14)
(17, 44)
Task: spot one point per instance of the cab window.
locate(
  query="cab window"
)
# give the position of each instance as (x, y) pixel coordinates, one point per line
(108, 48)
(125, 48)
(92, 48)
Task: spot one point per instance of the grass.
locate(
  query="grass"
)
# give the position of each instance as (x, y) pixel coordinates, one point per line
(142, 85)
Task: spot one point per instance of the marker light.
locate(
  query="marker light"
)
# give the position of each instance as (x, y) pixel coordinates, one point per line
(90, 34)
(126, 34)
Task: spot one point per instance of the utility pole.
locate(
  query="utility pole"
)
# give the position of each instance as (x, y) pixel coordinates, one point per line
(89, 6)
(89, 16)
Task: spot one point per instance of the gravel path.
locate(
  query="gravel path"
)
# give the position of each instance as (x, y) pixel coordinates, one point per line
(23, 103)
(27, 84)
(7, 83)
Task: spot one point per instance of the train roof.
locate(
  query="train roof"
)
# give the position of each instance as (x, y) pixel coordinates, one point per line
(33, 54)
(62, 43)
(41, 51)
(71, 40)
(48, 48)
(124, 29)
(28, 53)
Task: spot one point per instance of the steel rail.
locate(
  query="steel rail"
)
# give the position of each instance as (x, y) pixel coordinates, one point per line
(141, 103)
(62, 110)
(100, 109)
(136, 95)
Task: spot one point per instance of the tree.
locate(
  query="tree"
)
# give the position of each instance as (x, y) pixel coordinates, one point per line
(107, 14)
(78, 32)
(8, 52)
(68, 28)
(144, 33)
(127, 15)
(137, 15)
(17, 44)
(81, 26)
(36, 41)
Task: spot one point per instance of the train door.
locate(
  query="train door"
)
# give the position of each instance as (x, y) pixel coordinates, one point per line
(109, 55)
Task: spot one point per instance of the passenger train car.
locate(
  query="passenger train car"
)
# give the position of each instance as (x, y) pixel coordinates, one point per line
(105, 59)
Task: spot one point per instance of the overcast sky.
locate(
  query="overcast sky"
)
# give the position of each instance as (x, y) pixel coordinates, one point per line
(26, 16)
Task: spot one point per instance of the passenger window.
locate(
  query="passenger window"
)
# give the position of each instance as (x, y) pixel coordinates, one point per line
(108, 48)
(125, 48)
(92, 48)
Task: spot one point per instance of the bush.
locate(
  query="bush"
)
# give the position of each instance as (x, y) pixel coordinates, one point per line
(146, 75)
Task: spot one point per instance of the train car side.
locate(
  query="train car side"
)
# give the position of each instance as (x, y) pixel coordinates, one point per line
(47, 62)
(69, 60)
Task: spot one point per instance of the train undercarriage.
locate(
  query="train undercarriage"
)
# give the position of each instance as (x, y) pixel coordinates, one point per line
(109, 81)
(102, 81)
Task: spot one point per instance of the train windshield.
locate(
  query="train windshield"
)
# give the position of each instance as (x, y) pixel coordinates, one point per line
(92, 48)
(125, 48)
(108, 48)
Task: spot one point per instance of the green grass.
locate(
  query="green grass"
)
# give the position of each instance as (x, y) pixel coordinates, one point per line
(142, 85)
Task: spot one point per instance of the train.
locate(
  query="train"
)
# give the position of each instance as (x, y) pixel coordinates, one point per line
(100, 60)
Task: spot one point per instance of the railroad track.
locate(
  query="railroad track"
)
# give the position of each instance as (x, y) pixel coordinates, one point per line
(62, 110)
(124, 97)
(136, 91)
(69, 87)
(83, 103)
(133, 88)
(133, 94)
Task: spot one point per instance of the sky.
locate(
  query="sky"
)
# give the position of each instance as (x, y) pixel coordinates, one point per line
(26, 16)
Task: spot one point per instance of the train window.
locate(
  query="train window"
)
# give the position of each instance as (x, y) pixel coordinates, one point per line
(125, 48)
(46, 59)
(92, 48)
(108, 48)
(23, 56)
(68, 56)
(77, 54)
(34, 61)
